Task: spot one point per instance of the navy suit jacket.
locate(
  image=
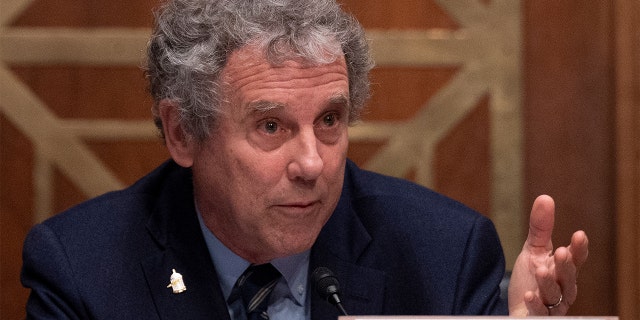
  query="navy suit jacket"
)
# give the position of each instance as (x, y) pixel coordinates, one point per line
(396, 248)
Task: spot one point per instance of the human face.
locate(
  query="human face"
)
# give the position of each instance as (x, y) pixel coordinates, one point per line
(271, 174)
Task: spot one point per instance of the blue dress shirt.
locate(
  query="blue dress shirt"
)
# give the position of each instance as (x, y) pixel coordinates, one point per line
(289, 297)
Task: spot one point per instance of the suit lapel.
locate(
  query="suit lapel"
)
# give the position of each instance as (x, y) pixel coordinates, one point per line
(199, 301)
(340, 243)
(181, 246)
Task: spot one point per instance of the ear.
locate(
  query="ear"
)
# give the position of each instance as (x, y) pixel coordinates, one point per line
(180, 144)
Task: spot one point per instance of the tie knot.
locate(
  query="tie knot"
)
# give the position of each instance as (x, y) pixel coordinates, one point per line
(255, 286)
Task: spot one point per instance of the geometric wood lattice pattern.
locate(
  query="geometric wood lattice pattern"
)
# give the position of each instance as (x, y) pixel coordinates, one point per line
(485, 51)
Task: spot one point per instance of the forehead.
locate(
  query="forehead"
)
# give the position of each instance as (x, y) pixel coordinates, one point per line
(248, 69)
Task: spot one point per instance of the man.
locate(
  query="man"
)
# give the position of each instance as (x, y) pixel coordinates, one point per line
(253, 99)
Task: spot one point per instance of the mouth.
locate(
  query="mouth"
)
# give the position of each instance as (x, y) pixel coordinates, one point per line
(298, 208)
(299, 204)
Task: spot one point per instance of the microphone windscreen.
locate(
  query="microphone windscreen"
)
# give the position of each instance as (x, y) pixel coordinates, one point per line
(325, 281)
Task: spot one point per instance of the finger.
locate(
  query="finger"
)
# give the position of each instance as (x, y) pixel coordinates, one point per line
(534, 305)
(549, 290)
(579, 248)
(566, 273)
(541, 223)
(550, 293)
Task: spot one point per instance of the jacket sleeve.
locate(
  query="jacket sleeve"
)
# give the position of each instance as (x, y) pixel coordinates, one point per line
(482, 270)
(47, 272)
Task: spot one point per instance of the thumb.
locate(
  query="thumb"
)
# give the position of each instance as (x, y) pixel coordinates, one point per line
(541, 222)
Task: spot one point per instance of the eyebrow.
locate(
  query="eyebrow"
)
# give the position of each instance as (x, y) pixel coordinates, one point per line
(340, 99)
(262, 106)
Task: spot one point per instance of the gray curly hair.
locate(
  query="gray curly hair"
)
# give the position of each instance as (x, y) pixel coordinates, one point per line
(193, 39)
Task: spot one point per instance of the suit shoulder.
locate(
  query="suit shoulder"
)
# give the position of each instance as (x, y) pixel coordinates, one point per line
(391, 194)
(116, 209)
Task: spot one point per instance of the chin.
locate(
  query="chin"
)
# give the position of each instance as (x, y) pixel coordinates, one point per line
(294, 245)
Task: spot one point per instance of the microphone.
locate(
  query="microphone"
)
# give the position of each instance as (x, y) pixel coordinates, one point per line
(328, 287)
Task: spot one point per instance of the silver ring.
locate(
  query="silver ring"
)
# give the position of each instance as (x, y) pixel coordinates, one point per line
(552, 306)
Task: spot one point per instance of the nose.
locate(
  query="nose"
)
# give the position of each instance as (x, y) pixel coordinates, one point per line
(306, 163)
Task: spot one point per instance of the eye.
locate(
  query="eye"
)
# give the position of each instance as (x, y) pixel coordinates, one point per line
(329, 119)
(269, 133)
(330, 127)
(270, 127)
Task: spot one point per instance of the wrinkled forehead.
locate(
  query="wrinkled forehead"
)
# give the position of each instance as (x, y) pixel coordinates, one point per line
(250, 67)
(257, 60)
(312, 52)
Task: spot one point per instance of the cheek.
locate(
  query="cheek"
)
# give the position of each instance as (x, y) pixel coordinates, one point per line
(252, 179)
(335, 157)
(259, 169)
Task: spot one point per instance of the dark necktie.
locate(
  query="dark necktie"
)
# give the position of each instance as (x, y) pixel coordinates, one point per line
(255, 286)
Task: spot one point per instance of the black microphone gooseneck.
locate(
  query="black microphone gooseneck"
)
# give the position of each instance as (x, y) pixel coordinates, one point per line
(328, 287)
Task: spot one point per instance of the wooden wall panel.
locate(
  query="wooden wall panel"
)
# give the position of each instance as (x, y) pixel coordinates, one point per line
(86, 13)
(627, 31)
(89, 92)
(89, 101)
(434, 73)
(464, 158)
(16, 198)
(400, 14)
(569, 108)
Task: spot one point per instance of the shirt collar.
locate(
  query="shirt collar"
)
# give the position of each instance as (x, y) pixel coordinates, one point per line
(229, 266)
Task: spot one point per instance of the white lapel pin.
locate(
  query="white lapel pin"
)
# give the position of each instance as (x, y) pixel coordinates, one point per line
(177, 283)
